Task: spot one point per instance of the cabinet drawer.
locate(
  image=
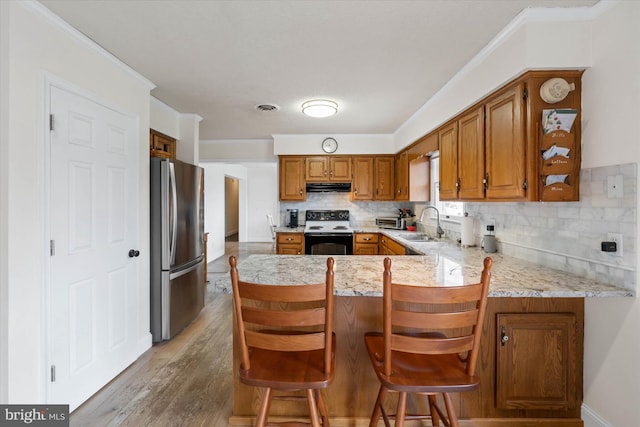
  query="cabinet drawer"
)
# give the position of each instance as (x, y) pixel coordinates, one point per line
(366, 237)
(290, 238)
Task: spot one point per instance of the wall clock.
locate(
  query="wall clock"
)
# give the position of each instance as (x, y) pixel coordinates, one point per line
(329, 145)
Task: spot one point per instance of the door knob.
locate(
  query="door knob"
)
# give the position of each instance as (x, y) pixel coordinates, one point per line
(133, 253)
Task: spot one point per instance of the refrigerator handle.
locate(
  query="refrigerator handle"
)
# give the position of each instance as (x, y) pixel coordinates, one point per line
(174, 212)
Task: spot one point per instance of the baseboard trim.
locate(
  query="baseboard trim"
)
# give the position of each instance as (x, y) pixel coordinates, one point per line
(235, 421)
(592, 419)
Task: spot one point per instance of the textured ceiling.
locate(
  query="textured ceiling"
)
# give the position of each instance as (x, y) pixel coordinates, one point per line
(380, 60)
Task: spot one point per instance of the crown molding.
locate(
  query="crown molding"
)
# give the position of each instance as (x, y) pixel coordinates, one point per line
(529, 15)
(39, 9)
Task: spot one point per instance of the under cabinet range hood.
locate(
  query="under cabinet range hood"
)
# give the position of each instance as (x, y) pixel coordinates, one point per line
(328, 187)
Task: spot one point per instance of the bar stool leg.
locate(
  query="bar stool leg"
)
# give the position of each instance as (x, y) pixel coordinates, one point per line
(433, 408)
(378, 408)
(451, 412)
(402, 407)
(313, 408)
(323, 408)
(265, 404)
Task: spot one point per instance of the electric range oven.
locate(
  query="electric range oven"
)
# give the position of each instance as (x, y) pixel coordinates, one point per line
(328, 233)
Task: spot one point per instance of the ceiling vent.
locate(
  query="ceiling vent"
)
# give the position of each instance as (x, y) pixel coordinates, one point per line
(267, 107)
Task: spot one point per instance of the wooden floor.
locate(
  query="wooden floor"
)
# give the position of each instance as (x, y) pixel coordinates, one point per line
(184, 382)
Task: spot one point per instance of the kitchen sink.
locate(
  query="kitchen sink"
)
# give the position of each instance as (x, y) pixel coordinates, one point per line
(418, 238)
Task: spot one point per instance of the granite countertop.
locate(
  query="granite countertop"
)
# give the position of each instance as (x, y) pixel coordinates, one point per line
(442, 263)
(445, 264)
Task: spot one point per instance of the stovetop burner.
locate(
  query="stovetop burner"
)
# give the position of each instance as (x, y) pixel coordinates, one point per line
(327, 222)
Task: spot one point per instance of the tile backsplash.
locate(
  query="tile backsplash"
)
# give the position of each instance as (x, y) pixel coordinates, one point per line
(562, 235)
(362, 214)
(568, 235)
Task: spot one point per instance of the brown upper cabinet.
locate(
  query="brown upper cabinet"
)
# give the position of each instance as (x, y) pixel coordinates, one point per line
(328, 168)
(402, 175)
(505, 145)
(493, 151)
(384, 177)
(362, 187)
(373, 178)
(292, 184)
(449, 185)
(161, 145)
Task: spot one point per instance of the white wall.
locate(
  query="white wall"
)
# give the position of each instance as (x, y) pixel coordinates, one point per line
(237, 150)
(604, 40)
(185, 128)
(231, 193)
(188, 145)
(4, 196)
(163, 118)
(257, 196)
(520, 46)
(610, 136)
(347, 144)
(262, 190)
(39, 44)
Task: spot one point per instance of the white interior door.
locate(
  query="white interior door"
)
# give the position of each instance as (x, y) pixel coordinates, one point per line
(94, 282)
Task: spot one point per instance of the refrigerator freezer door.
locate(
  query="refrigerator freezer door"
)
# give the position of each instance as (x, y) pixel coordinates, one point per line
(186, 298)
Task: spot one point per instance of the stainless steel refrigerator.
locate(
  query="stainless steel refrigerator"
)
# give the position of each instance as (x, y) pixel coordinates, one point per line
(177, 246)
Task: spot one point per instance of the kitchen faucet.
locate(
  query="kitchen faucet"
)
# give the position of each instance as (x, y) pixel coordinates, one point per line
(439, 229)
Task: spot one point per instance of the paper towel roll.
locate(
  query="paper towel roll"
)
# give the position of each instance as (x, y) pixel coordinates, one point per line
(466, 231)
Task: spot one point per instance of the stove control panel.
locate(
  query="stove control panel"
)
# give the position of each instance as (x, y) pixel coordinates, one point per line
(327, 216)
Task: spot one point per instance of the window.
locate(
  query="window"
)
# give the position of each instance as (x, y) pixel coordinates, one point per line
(448, 210)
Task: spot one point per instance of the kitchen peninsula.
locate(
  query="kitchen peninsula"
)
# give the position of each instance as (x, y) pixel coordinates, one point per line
(532, 344)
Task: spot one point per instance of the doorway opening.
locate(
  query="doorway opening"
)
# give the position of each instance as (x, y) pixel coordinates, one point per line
(232, 208)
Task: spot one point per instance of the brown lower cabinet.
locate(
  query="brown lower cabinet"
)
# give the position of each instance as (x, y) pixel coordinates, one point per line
(389, 246)
(290, 243)
(535, 379)
(535, 360)
(365, 243)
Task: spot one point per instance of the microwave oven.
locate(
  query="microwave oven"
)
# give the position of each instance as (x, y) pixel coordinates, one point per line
(391, 222)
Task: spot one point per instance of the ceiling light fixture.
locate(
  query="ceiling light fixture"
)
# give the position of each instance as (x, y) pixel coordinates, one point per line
(319, 108)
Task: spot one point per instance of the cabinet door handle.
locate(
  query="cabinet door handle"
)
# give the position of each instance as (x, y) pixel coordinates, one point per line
(485, 181)
(458, 185)
(301, 192)
(504, 338)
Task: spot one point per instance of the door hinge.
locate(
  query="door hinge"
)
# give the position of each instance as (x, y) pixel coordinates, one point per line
(52, 247)
(525, 185)
(53, 373)
(525, 94)
(50, 121)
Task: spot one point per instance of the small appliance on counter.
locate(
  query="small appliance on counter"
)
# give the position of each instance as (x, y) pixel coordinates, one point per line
(292, 218)
(394, 223)
(489, 243)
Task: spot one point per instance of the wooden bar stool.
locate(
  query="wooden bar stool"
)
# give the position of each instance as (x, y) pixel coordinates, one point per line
(429, 344)
(286, 340)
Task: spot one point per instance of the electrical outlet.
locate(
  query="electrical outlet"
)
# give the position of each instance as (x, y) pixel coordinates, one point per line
(616, 237)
